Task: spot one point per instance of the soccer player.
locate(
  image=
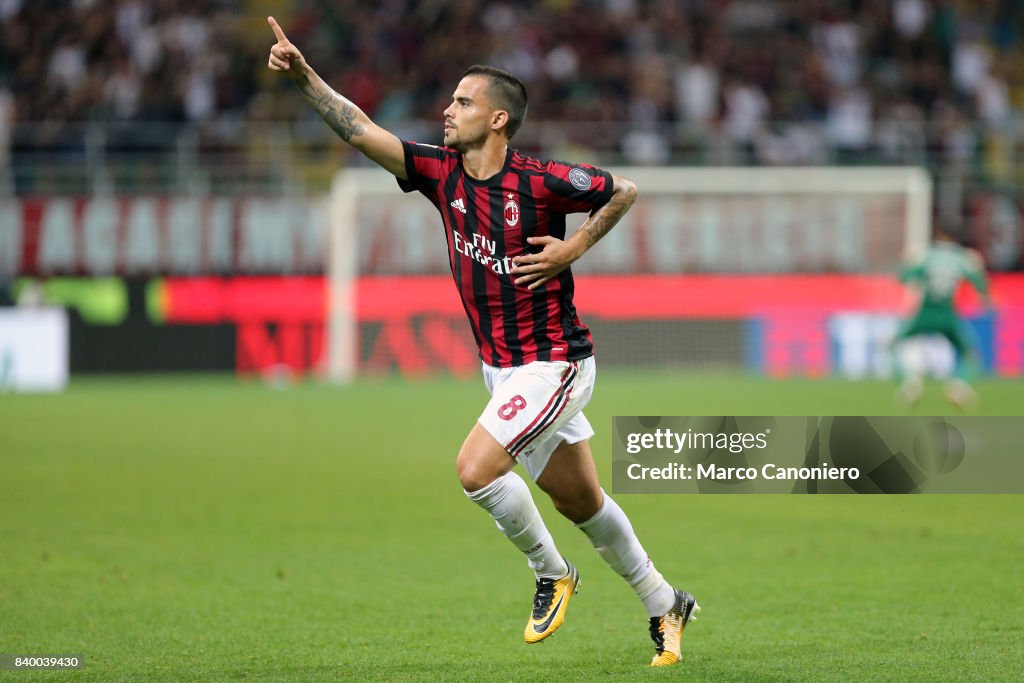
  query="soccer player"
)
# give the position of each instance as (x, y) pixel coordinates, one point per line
(504, 221)
(937, 275)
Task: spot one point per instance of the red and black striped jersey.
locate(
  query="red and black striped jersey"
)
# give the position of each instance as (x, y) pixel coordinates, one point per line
(486, 224)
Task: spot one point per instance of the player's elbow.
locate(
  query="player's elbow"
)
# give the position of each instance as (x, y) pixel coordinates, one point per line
(626, 188)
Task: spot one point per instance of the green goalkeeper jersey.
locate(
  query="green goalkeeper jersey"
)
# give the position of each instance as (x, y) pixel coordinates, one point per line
(940, 272)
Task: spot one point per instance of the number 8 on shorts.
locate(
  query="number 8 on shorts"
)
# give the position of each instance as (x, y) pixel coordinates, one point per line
(530, 404)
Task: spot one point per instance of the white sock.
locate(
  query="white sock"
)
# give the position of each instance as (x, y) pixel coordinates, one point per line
(613, 538)
(508, 500)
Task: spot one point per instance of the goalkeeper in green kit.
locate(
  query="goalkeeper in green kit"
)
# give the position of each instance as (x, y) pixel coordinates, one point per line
(937, 276)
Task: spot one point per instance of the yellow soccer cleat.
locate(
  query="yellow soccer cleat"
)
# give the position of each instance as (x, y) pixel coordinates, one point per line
(667, 631)
(549, 604)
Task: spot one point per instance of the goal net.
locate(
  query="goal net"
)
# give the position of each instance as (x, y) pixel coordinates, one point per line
(777, 270)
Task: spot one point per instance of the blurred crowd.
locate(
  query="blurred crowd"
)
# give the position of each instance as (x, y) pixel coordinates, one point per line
(163, 60)
(783, 81)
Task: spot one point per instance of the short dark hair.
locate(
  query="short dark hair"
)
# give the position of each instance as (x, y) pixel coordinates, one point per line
(505, 92)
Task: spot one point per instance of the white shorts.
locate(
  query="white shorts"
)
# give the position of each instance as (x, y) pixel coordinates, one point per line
(537, 406)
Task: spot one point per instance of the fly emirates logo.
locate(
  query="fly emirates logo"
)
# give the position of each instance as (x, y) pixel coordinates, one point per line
(482, 250)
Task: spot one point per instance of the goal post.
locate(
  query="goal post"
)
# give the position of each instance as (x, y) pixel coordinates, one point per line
(740, 232)
(343, 273)
(913, 183)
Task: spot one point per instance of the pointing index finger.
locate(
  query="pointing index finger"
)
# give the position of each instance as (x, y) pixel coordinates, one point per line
(281, 38)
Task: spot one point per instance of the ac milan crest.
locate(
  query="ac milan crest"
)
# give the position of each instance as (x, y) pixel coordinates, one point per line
(511, 211)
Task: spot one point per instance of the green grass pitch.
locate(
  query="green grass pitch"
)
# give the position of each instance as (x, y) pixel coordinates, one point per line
(201, 528)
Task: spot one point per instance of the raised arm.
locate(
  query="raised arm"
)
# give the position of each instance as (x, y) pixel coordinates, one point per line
(557, 255)
(346, 119)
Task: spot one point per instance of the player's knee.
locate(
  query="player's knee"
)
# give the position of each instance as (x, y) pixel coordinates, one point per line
(474, 475)
(578, 507)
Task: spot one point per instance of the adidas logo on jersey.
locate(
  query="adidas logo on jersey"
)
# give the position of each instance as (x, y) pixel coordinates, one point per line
(459, 204)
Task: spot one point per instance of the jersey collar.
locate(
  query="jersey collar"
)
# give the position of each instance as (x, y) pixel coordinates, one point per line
(494, 179)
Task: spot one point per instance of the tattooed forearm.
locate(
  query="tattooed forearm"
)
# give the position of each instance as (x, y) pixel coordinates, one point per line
(340, 114)
(605, 218)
